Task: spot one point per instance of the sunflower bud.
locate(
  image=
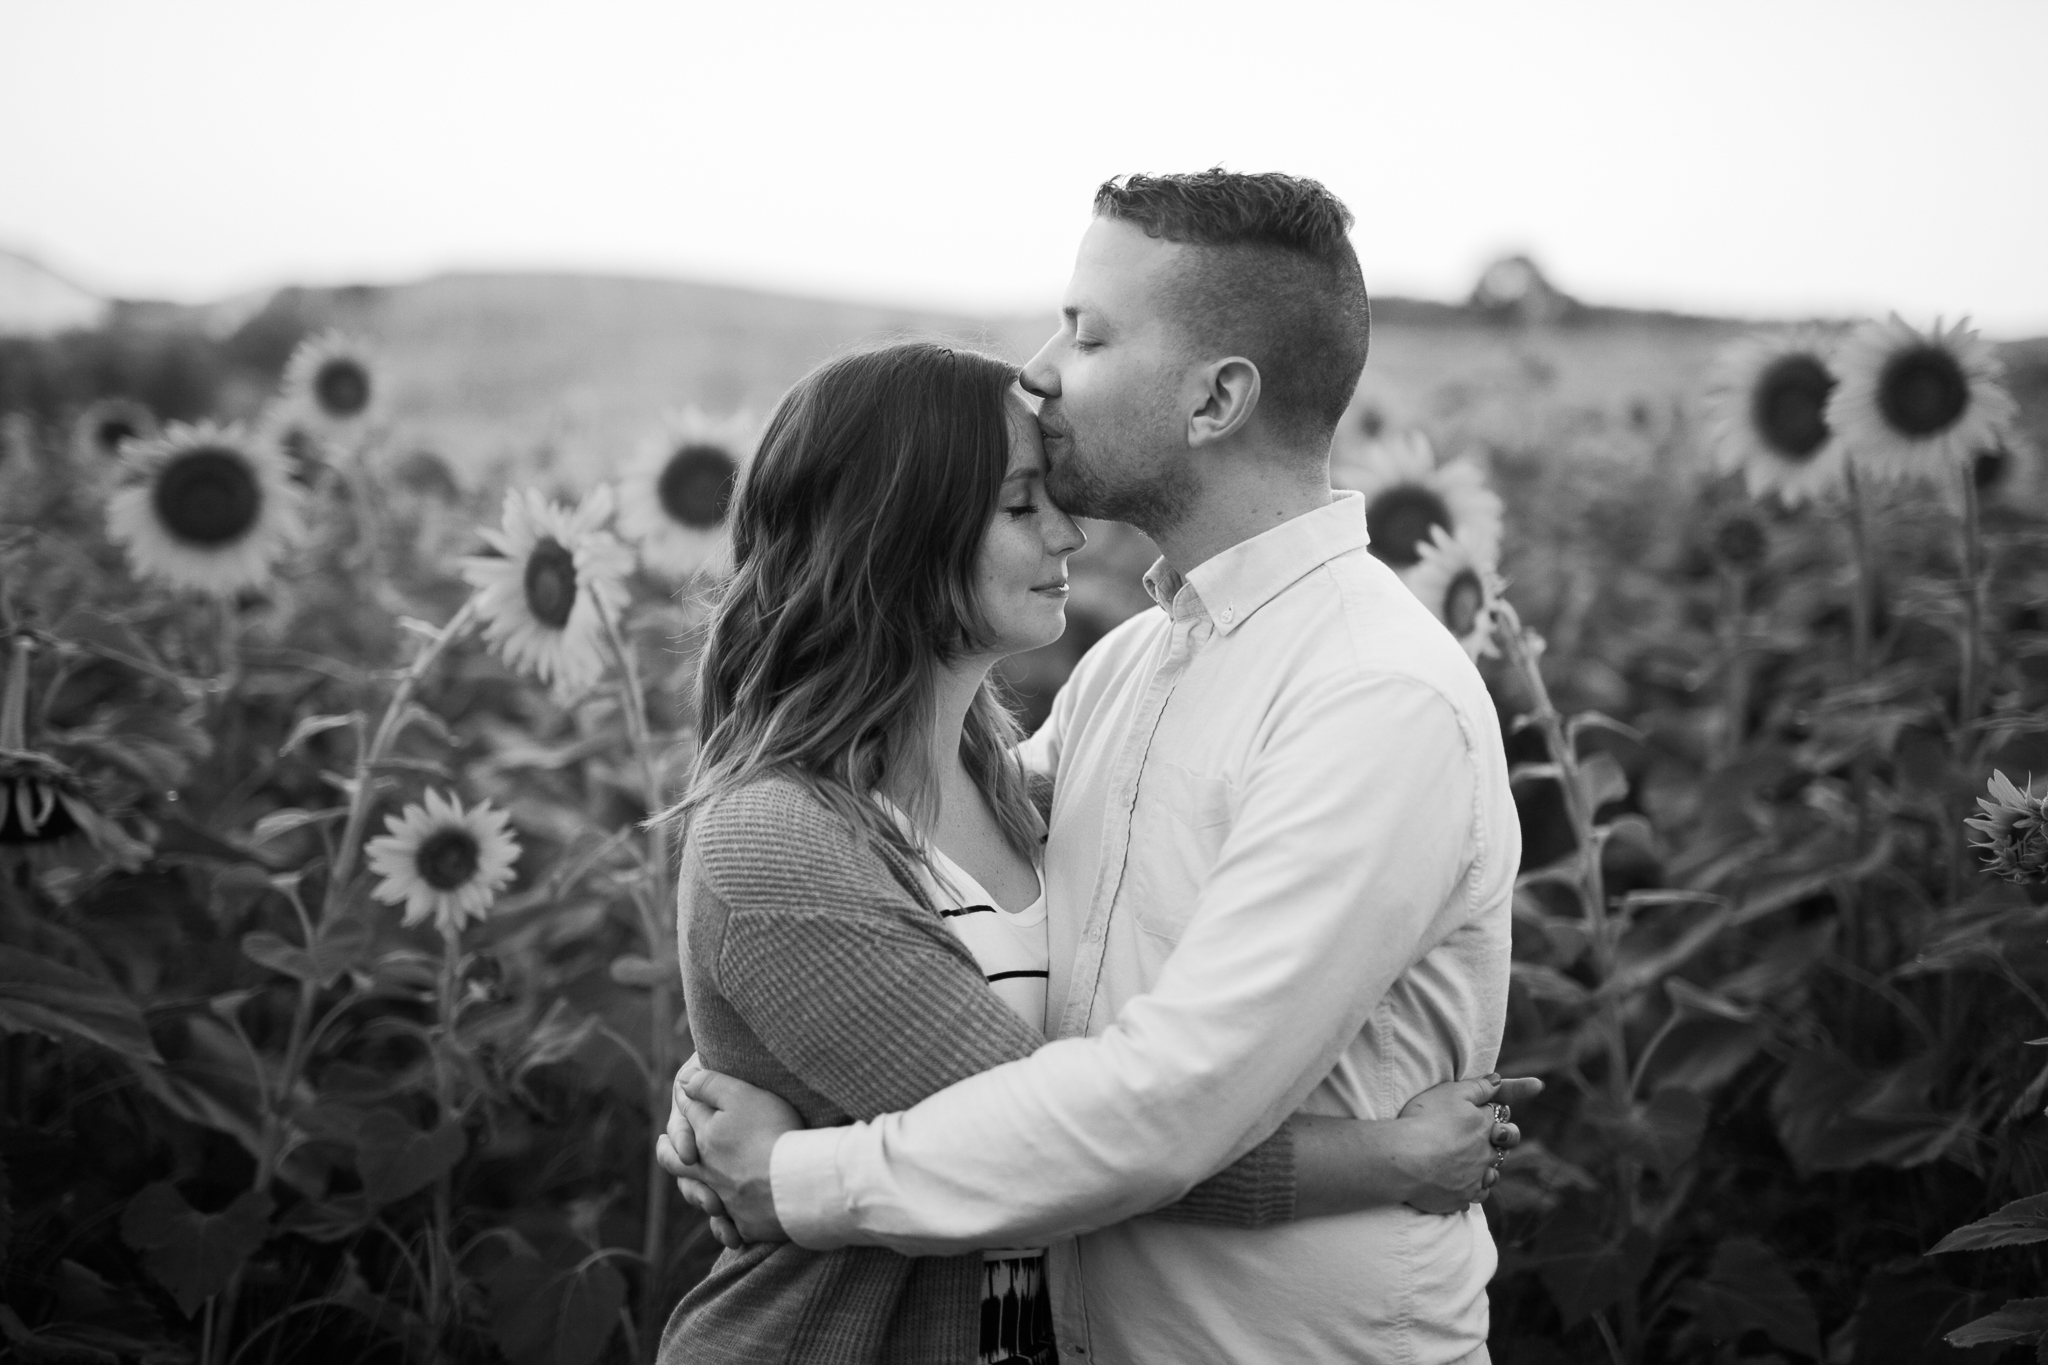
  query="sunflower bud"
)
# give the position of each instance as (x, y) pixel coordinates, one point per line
(2013, 831)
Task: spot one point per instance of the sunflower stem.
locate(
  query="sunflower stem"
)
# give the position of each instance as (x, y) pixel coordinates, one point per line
(1862, 608)
(441, 1266)
(1602, 930)
(657, 917)
(14, 702)
(362, 798)
(1735, 686)
(1969, 682)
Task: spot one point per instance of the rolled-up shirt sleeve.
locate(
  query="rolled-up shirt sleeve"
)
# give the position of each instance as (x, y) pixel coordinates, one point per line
(1354, 847)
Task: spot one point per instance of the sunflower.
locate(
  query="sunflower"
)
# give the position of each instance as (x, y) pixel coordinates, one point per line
(334, 388)
(1459, 588)
(442, 861)
(1766, 415)
(2012, 833)
(1407, 494)
(107, 425)
(541, 594)
(205, 507)
(2005, 468)
(47, 819)
(678, 492)
(1916, 404)
(1739, 541)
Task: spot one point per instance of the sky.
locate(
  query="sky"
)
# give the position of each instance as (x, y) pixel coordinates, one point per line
(1782, 159)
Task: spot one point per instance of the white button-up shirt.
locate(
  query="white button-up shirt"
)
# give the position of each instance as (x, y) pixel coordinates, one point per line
(1279, 874)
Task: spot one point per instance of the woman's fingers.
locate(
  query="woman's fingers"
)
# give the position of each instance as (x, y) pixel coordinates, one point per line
(1507, 1135)
(1518, 1090)
(669, 1159)
(727, 1233)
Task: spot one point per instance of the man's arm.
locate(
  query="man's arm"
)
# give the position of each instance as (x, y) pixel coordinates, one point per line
(1355, 827)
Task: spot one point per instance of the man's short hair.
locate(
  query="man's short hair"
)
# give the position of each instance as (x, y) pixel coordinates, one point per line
(1275, 281)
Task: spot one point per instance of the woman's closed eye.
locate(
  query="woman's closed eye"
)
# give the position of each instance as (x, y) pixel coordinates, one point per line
(1027, 509)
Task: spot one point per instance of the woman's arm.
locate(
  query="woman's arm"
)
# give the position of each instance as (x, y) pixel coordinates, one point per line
(1439, 1155)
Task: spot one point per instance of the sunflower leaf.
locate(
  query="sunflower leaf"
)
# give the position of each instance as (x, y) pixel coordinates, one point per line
(1748, 1288)
(2018, 1223)
(282, 822)
(192, 1254)
(544, 1316)
(311, 726)
(2019, 1318)
(41, 996)
(397, 1159)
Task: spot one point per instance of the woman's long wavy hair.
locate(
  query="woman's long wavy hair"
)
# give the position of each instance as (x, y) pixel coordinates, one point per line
(855, 536)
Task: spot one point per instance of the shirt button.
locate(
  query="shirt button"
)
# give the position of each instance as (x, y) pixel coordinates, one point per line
(1228, 613)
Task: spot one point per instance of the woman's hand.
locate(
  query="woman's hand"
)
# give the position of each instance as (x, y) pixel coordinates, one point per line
(720, 1139)
(1453, 1140)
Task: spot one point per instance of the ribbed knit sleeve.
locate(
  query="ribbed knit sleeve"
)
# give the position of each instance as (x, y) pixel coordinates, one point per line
(859, 990)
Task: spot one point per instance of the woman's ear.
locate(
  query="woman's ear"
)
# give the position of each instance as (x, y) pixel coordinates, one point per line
(1225, 401)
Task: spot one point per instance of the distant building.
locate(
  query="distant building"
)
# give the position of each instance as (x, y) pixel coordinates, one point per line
(36, 301)
(1514, 289)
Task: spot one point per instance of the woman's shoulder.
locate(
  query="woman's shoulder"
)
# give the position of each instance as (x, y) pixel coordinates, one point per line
(776, 830)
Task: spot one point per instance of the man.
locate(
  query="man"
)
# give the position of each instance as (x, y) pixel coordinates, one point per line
(1281, 854)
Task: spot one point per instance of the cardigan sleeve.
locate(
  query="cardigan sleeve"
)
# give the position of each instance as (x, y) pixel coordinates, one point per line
(865, 995)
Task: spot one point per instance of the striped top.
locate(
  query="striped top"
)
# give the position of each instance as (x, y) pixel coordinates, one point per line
(1014, 954)
(1010, 946)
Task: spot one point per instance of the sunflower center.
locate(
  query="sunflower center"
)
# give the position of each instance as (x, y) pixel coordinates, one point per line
(1922, 391)
(1739, 542)
(1789, 406)
(1399, 522)
(342, 388)
(1988, 467)
(110, 433)
(447, 858)
(208, 496)
(550, 583)
(696, 485)
(1462, 602)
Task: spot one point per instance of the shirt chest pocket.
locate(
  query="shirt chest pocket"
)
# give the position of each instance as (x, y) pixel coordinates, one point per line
(1177, 828)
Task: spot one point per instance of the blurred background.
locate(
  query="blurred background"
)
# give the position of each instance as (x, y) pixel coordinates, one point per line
(553, 250)
(561, 225)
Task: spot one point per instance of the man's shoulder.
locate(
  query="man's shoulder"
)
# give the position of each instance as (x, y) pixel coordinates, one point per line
(1371, 628)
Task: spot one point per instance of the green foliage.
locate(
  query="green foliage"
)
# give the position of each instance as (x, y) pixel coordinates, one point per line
(246, 1114)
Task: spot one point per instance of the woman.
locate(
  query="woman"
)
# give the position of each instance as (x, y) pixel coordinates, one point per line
(861, 912)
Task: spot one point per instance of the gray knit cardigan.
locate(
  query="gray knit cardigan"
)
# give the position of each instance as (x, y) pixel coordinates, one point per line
(815, 967)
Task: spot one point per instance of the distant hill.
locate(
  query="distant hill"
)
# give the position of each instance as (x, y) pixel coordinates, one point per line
(570, 372)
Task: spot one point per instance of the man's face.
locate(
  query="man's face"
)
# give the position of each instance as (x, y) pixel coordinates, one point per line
(1110, 384)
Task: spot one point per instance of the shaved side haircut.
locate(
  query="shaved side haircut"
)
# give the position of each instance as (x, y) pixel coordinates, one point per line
(1274, 279)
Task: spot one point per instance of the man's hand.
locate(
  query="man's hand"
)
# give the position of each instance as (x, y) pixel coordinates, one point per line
(1453, 1143)
(730, 1128)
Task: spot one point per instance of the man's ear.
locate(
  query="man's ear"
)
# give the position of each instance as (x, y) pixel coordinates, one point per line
(1227, 395)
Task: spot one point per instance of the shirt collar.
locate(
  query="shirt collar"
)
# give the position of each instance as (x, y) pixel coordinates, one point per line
(1230, 586)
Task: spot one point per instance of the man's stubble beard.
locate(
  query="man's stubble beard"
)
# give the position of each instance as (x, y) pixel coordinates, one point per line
(1084, 488)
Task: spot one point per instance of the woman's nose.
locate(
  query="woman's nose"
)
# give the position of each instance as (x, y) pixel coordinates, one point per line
(1066, 535)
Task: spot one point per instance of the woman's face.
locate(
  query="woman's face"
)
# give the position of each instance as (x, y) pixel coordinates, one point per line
(1020, 581)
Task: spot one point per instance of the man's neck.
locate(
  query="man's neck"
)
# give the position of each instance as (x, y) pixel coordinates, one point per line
(1232, 510)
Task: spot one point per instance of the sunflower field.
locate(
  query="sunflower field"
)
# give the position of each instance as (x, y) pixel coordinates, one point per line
(338, 997)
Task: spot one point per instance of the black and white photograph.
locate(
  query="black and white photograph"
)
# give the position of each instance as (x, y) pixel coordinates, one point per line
(1092, 683)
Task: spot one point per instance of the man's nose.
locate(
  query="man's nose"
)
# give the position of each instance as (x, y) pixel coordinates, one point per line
(1040, 377)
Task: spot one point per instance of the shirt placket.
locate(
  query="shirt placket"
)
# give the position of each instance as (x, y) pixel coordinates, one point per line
(1191, 628)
